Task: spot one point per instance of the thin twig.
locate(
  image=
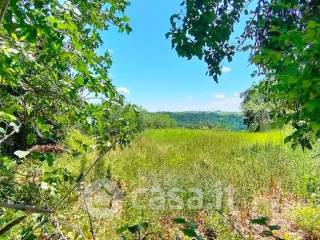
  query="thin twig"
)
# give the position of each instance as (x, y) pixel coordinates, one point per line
(8, 136)
(67, 195)
(11, 224)
(56, 224)
(3, 9)
(78, 229)
(231, 224)
(93, 234)
(83, 176)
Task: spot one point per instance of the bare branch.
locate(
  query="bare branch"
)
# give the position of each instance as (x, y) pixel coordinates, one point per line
(11, 224)
(93, 234)
(25, 208)
(7, 136)
(78, 229)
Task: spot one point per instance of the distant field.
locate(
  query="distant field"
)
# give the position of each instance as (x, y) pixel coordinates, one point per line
(233, 121)
(249, 173)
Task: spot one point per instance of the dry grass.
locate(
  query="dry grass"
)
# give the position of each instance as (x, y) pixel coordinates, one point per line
(249, 168)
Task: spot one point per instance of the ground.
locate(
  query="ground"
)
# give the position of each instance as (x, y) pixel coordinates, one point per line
(219, 179)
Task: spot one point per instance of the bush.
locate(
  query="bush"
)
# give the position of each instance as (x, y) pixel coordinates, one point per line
(308, 218)
(157, 121)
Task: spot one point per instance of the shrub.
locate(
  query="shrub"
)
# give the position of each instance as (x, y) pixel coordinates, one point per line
(308, 218)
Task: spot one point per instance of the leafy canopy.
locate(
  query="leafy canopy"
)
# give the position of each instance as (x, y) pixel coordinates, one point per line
(53, 78)
(53, 70)
(283, 39)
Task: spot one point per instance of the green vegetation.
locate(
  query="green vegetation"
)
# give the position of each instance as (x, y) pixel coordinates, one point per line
(256, 111)
(216, 120)
(53, 79)
(283, 39)
(308, 218)
(50, 72)
(243, 166)
(66, 171)
(157, 120)
(204, 120)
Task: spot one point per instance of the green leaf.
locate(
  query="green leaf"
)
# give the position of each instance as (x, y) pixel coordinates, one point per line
(134, 228)
(260, 221)
(122, 229)
(50, 159)
(274, 227)
(7, 117)
(190, 232)
(179, 220)
(144, 225)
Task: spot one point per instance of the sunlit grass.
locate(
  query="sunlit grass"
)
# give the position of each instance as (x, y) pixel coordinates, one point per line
(249, 163)
(246, 163)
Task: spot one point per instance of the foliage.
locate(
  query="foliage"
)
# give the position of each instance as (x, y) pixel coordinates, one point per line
(214, 120)
(248, 162)
(165, 159)
(54, 77)
(51, 74)
(256, 111)
(203, 29)
(283, 37)
(194, 120)
(137, 230)
(308, 217)
(157, 120)
(189, 229)
(269, 229)
(78, 143)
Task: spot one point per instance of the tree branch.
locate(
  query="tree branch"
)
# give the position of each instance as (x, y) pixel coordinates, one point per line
(25, 208)
(93, 234)
(11, 224)
(7, 136)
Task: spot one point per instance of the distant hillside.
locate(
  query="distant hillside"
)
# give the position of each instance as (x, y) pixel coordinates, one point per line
(233, 121)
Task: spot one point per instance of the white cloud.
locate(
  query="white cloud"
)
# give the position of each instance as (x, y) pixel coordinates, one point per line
(227, 104)
(225, 70)
(218, 102)
(123, 90)
(219, 96)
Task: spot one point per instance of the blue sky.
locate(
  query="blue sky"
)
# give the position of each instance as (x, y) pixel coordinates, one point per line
(150, 73)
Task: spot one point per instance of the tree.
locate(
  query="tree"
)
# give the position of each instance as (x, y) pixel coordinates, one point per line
(53, 76)
(157, 120)
(256, 111)
(283, 39)
(51, 71)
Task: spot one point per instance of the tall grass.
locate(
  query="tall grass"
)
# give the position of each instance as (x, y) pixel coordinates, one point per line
(247, 164)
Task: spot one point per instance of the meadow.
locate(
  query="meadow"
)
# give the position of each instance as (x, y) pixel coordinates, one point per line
(220, 180)
(81, 159)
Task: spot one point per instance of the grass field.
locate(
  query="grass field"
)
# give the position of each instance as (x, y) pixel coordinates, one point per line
(193, 173)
